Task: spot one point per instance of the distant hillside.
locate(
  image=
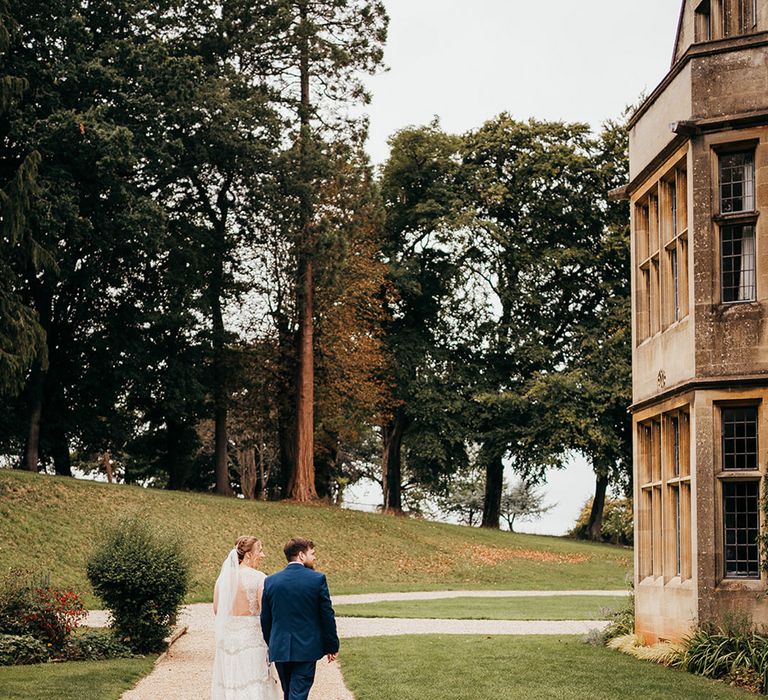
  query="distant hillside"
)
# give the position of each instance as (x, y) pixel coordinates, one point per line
(51, 522)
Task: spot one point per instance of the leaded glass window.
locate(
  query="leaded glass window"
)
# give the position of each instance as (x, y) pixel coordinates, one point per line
(676, 445)
(737, 260)
(737, 182)
(741, 519)
(740, 437)
(678, 549)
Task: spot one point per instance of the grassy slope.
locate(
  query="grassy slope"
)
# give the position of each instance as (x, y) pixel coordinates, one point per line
(514, 668)
(52, 522)
(76, 680)
(533, 608)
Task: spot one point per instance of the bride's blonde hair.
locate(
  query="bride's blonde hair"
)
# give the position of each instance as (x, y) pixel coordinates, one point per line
(245, 544)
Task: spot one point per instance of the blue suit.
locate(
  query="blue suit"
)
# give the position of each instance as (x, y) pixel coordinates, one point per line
(299, 626)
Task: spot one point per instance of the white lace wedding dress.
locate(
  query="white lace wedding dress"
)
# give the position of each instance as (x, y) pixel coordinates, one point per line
(241, 668)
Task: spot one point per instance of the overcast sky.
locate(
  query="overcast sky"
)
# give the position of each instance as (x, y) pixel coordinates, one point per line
(466, 61)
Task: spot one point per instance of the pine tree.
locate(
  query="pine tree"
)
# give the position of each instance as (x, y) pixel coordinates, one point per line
(22, 339)
(319, 51)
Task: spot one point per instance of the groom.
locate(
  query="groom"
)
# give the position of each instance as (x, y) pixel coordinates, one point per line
(297, 619)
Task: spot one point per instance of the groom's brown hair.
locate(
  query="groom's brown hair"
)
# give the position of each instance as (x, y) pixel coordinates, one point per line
(296, 545)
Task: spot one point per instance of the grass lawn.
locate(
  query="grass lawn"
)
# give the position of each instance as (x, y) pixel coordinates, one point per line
(74, 680)
(533, 608)
(513, 668)
(360, 552)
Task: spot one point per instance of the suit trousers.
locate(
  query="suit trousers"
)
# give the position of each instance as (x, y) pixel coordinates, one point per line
(296, 677)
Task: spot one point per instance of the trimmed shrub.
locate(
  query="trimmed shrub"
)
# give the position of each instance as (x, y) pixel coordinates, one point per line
(95, 645)
(18, 649)
(141, 574)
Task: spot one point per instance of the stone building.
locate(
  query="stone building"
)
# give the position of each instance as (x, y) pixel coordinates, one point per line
(699, 199)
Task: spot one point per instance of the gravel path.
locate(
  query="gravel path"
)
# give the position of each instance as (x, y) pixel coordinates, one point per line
(184, 672)
(439, 595)
(389, 626)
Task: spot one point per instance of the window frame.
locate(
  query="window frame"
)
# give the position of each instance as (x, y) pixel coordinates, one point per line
(725, 483)
(738, 218)
(752, 407)
(723, 228)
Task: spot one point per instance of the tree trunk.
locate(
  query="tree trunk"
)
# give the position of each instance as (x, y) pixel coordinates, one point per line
(391, 463)
(302, 484)
(494, 486)
(60, 451)
(262, 491)
(220, 399)
(246, 459)
(174, 455)
(106, 463)
(325, 471)
(595, 524)
(31, 459)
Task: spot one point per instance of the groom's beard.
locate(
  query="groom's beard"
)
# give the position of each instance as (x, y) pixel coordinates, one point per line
(309, 565)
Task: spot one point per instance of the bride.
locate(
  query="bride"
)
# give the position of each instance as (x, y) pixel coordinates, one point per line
(241, 669)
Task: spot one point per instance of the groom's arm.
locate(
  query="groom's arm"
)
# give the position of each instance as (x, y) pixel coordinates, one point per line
(266, 613)
(328, 620)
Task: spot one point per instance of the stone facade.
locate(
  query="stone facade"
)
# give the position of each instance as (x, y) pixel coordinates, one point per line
(699, 200)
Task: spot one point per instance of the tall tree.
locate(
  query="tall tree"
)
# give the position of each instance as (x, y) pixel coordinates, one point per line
(87, 211)
(353, 389)
(322, 49)
(420, 187)
(22, 339)
(603, 358)
(533, 189)
(212, 139)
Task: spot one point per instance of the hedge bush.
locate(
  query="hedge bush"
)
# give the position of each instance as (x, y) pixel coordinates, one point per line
(22, 649)
(141, 574)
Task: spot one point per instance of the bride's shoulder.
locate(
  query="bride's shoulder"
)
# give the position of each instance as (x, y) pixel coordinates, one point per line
(254, 573)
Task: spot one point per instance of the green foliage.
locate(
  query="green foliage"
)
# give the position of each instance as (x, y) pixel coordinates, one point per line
(733, 650)
(95, 645)
(14, 600)
(621, 621)
(618, 522)
(141, 574)
(22, 649)
(22, 339)
(425, 335)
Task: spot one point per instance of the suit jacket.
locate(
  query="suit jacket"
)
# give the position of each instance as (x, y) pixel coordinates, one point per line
(297, 616)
